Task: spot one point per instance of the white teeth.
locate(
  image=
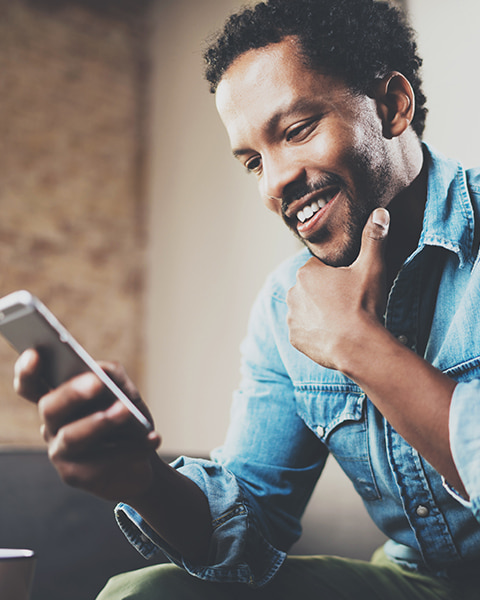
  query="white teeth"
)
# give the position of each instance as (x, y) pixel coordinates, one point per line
(308, 211)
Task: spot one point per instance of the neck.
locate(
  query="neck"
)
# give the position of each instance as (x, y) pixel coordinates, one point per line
(406, 220)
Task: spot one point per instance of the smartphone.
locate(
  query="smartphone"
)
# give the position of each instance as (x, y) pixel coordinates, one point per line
(25, 322)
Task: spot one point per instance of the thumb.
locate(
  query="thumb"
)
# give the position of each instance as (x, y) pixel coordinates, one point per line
(371, 260)
(375, 235)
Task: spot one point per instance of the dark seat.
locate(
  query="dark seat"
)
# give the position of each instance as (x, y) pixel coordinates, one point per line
(74, 535)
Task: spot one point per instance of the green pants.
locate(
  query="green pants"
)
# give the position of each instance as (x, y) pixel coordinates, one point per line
(300, 578)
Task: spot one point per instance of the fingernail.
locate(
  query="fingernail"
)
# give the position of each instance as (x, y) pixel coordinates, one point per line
(115, 410)
(85, 383)
(381, 217)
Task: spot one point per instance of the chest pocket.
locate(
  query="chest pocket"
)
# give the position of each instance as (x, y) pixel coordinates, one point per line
(338, 417)
(465, 371)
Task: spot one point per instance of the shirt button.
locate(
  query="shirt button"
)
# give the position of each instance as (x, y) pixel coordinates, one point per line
(422, 511)
(403, 339)
(320, 431)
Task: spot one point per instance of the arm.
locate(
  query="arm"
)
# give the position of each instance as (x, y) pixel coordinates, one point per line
(94, 445)
(335, 319)
(257, 484)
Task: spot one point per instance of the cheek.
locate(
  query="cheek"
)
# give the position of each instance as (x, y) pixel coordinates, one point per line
(330, 150)
(272, 204)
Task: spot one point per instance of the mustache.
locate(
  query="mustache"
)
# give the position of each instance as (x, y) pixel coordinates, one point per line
(299, 189)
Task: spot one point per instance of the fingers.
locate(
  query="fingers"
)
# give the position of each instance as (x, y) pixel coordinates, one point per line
(27, 380)
(117, 372)
(381, 222)
(93, 440)
(73, 400)
(371, 263)
(86, 395)
(102, 454)
(101, 434)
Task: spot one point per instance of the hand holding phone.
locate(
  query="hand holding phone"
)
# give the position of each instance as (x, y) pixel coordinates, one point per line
(25, 322)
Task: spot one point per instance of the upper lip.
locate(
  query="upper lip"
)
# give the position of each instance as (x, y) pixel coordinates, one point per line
(300, 204)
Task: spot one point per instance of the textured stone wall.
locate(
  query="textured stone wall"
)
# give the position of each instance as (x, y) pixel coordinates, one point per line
(72, 75)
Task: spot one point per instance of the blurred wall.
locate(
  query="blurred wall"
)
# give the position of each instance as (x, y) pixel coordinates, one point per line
(211, 240)
(449, 43)
(72, 218)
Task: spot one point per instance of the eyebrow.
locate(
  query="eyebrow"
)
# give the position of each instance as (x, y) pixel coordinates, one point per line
(239, 153)
(298, 106)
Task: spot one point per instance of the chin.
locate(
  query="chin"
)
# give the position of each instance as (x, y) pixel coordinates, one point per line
(338, 256)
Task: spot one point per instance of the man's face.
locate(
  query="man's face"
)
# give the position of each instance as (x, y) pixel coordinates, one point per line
(316, 148)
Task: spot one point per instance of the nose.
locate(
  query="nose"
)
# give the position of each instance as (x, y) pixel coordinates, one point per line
(278, 173)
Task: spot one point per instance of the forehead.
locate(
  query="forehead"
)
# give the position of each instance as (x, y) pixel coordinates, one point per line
(265, 84)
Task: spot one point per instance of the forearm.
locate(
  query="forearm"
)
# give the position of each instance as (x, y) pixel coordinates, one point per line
(178, 511)
(104, 452)
(411, 394)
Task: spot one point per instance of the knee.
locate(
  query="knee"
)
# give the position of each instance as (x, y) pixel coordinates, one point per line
(151, 583)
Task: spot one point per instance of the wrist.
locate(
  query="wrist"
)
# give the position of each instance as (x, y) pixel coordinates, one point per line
(368, 345)
(147, 496)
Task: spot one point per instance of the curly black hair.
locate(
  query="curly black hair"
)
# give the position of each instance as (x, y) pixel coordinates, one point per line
(359, 41)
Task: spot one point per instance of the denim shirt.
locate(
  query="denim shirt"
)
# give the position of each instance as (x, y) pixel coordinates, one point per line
(290, 413)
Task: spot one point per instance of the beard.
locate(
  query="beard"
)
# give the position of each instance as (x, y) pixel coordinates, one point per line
(371, 191)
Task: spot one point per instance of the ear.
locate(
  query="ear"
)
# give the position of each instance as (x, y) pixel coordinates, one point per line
(396, 104)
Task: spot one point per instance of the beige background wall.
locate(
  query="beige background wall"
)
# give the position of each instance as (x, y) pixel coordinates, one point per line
(450, 45)
(78, 209)
(211, 240)
(71, 201)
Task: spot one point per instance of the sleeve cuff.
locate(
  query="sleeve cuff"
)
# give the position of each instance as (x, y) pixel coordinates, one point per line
(464, 428)
(239, 553)
(454, 494)
(149, 544)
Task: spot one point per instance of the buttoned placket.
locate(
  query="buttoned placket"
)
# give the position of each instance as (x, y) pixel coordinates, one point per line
(411, 472)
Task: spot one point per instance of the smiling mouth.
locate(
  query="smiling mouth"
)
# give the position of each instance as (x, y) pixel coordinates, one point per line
(309, 210)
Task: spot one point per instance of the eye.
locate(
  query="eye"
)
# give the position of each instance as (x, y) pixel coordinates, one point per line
(300, 131)
(253, 164)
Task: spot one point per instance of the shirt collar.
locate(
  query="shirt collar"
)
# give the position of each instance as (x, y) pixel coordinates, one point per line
(449, 218)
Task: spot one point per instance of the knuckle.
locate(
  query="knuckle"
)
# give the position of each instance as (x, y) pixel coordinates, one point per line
(17, 384)
(21, 387)
(44, 408)
(293, 341)
(85, 386)
(70, 474)
(376, 233)
(56, 447)
(68, 470)
(290, 296)
(115, 369)
(44, 433)
(301, 273)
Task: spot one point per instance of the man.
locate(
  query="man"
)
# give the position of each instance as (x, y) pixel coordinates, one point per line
(322, 101)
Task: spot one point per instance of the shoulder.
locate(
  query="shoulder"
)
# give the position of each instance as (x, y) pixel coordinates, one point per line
(449, 178)
(270, 307)
(473, 182)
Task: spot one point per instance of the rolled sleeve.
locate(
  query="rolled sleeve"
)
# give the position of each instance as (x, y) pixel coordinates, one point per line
(259, 482)
(238, 551)
(465, 441)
